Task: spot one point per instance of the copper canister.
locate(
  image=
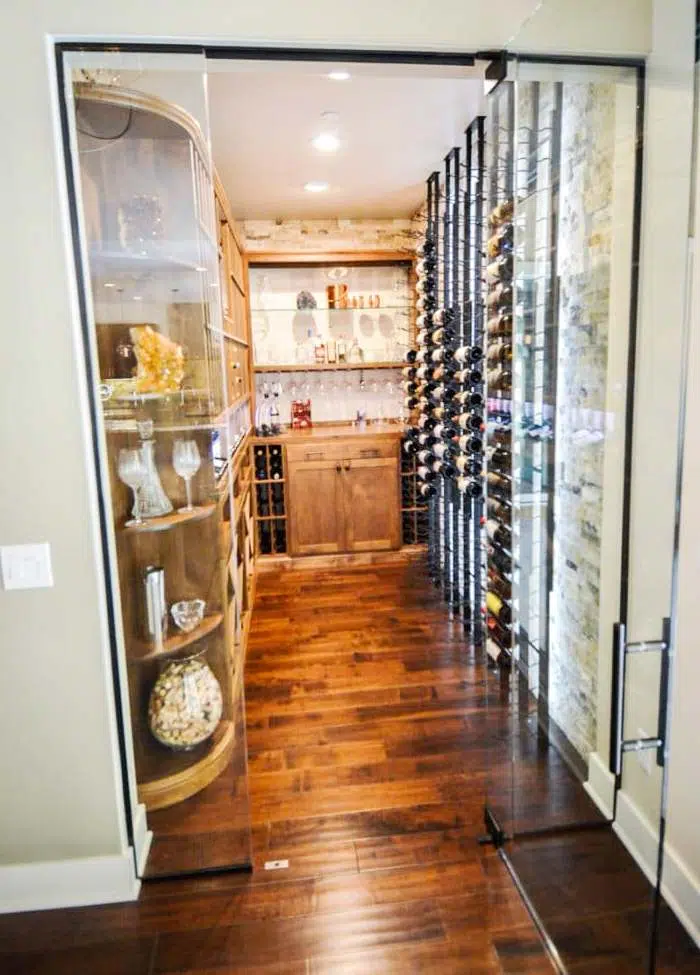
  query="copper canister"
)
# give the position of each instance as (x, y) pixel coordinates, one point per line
(337, 295)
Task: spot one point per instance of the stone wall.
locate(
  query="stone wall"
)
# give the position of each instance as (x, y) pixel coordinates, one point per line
(319, 235)
(585, 230)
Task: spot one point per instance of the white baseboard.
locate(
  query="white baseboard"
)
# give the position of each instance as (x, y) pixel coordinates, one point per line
(68, 883)
(600, 785)
(142, 838)
(679, 886)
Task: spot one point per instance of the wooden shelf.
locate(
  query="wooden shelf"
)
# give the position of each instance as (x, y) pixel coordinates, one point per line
(181, 640)
(173, 520)
(270, 517)
(271, 481)
(328, 366)
(161, 793)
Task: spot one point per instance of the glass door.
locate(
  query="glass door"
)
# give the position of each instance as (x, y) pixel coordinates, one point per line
(167, 428)
(577, 758)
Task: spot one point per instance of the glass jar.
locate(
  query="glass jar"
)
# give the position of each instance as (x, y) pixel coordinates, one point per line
(186, 703)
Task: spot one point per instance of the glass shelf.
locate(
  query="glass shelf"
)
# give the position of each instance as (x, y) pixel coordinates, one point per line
(311, 311)
(166, 522)
(178, 641)
(326, 366)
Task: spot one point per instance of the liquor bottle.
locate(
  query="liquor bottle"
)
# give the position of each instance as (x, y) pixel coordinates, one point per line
(470, 421)
(470, 486)
(498, 457)
(499, 533)
(469, 353)
(497, 509)
(443, 334)
(426, 489)
(500, 560)
(498, 608)
(470, 443)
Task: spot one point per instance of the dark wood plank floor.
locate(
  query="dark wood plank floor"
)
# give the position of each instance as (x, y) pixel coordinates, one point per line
(367, 732)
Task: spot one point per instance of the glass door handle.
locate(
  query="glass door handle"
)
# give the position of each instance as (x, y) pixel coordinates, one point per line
(621, 648)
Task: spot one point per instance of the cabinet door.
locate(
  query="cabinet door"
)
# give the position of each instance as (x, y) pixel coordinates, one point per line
(371, 501)
(315, 507)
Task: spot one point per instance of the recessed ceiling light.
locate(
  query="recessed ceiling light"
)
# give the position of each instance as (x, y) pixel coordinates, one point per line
(339, 75)
(326, 142)
(315, 186)
(109, 284)
(137, 298)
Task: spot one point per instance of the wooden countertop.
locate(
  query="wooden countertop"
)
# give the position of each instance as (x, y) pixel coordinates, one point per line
(335, 431)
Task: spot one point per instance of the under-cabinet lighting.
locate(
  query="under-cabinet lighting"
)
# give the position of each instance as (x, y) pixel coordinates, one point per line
(315, 186)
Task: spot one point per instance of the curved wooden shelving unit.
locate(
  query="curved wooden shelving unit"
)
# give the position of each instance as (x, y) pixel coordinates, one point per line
(173, 520)
(181, 640)
(161, 793)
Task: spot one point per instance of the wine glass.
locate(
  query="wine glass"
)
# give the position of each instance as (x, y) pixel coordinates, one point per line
(186, 462)
(132, 471)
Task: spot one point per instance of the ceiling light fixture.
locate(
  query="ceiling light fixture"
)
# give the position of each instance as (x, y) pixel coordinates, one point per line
(326, 142)
(315, 186)
(109, 284)
(339, 75)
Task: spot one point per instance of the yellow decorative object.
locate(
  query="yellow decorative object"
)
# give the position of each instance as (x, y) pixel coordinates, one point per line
(160, 361)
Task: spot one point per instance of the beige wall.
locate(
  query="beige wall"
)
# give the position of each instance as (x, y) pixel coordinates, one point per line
(60, 781)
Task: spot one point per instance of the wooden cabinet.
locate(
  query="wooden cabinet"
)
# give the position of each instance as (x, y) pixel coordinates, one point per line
(343, 497)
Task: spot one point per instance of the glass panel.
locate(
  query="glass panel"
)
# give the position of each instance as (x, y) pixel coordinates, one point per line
(170, 420)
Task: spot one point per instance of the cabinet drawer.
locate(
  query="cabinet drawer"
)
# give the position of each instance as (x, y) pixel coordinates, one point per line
(298, 453)
(359, 449)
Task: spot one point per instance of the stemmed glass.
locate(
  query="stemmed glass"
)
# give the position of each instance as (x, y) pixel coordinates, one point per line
(186, 462)
(132, 471)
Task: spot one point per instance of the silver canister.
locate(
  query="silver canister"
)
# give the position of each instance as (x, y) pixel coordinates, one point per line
(156, 606)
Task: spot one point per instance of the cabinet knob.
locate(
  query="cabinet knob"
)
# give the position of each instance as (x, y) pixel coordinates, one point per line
(338, 468)
(347, 467)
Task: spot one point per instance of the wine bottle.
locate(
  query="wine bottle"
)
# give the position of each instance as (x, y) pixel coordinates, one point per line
(498, 608)
(469, 377)
(501, 269)
(470, 486)
(443, 391)
(500, 352)
(441, 354)
(470, 443)
(499, 585)
(424, 320)
(423, 337)
(498, 632)
(500, 435)
(499, 378)
(497, 509)
(470, 421)
(426, 283)
(500, 325)
(498, 457)
(411, 355)
(411, 402)
(469, 353)
(444, 371)
(442, 450)
(444, 334)
(426, 489)
(443, 428)
(424, 372)
(425, 265)
(426, 439)
(468, 397)
(425, 473)
(502, 294)
(500, 560)
(443, 316)
(410, 444)
(422, 355)
(498, 484)
(444, 467)
(426, 247)
(409, 372)
(425, 456)
(499, 533)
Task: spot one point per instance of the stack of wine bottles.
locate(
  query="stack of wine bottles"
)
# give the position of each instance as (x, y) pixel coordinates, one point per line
(499, 355)
(443, 387)
(270, 513)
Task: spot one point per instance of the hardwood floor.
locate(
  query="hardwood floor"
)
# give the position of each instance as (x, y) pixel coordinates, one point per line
(367, 732)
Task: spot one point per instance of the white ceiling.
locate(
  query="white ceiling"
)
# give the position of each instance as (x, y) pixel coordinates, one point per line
(396, 124)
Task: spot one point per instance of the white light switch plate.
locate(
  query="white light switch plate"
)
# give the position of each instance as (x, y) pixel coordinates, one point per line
(26, 566)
